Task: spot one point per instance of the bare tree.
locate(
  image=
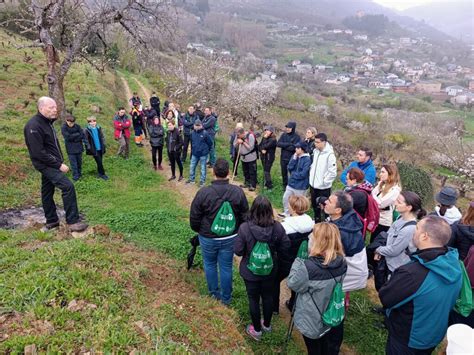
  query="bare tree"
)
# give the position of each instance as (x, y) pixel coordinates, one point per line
(65, 29)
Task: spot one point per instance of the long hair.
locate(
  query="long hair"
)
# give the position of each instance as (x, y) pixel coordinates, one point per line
(392, 180)
(468, 218)
(261, 212)
(326, 242)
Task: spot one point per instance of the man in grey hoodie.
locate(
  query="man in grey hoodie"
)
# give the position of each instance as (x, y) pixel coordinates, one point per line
(323, 172)
(245, 143)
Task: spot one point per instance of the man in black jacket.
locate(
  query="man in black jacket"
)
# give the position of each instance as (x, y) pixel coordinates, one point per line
(155, 103)
(287, 144)
(188, 126)
(217, 250)
(267, 148)
(47, 158)
(73, 140)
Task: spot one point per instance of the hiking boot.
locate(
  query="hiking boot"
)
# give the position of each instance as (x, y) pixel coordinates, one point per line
(49, 226)
(265, 329)
(172, 178)
(160, 167)
(78, 227)
(104, 177)
(253, 333)
(251, 188)
(181, 178)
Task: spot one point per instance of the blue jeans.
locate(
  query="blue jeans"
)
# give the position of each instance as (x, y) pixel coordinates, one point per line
(192, 169)
(218, 252)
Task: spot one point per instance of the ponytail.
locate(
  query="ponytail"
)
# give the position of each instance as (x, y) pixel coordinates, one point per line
(421, 213)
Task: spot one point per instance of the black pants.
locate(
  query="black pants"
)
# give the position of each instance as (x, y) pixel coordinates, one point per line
(186, 141)
(395, 347)
(175, 158)
(315, 193)
(250, 173)
(267, 167)
(76, 165)
(276, 293)
(158, 150)
(51, 178)
(328, 344)
(257, 290)
(98, 161)
(284, 172)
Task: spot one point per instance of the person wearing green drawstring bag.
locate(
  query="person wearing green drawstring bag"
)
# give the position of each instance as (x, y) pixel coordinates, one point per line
(319, 309)
(298, 227)
(260, 241)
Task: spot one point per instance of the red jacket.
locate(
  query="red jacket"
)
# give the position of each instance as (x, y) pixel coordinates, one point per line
(122, 126)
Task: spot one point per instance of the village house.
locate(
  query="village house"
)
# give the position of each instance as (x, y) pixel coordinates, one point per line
(428, 87)
(403, 88)
(466, 98)
(454, 90)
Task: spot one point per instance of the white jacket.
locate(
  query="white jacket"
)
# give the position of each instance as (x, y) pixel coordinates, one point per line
(357, 272)
(452, 214)
(298, 224)
(386, 201)
(323, 170)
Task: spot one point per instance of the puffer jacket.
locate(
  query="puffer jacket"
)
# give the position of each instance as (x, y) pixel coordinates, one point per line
(299, 172)
(174, 141)
(323, 168)
(157, 135)
(287, 142)
(462, 238)
(248, 235)
(314, 282)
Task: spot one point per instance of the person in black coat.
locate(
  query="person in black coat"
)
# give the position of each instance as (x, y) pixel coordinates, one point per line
(157, 141)
(287, 143)
(462, 237)
(267, 148)
(261, 227)
(155, 103)
(95, 144)
(73, 138)
(47, 158)
(188, 127)
(174, 144)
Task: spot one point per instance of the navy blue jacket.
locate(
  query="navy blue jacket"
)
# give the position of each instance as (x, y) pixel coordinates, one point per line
(73, 138)
(201, 143)
(350, 226)
(209, 122)
(299, 170)
(420, 295)
(287, 142)
(188, 123)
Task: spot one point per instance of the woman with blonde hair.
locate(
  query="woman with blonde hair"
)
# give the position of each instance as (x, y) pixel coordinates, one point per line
(314, 281)
(386, 193)
(309, 138)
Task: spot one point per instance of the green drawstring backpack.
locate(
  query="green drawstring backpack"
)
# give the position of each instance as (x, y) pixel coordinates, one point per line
(303, 250)
(224, 223)
(335, 311)
(464, 303)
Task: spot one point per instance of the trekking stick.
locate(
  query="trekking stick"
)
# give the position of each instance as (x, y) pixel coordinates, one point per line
(291, 325)
(236, 164)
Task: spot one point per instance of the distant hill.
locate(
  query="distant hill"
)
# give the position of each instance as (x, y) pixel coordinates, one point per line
(309, 12)
(454, 18)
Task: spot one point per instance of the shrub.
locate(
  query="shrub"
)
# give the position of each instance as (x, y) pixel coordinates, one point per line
(417, 180)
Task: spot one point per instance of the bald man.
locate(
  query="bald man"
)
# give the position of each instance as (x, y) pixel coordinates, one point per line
(47, 158)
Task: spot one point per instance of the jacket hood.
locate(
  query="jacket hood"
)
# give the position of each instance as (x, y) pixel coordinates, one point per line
(261, 234)
(349, 222)
(466, 231)
(291, 125)
(452, 214)
(328, 149)
(298, 224)
(335, 264)
(442, 261)
(364, 165)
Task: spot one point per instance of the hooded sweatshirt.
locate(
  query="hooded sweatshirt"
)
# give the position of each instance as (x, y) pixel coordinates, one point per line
(287, 142)
(350, 226)
(462, 238)
(452, 214)
(248, 235)
(420, 295)
(299, 172)
(323, 168)
(298, 229)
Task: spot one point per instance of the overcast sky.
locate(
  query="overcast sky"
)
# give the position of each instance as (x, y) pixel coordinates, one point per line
(405, 4)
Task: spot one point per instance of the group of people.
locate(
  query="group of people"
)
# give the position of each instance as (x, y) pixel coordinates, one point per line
(173, 130)
(417, 261)
(414, 257)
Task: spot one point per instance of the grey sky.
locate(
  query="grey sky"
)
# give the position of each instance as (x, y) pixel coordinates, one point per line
(405, 4)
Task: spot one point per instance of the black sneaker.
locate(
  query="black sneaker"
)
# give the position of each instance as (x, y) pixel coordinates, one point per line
(180, 178)
(78, 227)
(172, 178)
(104, 177)
(50, 226)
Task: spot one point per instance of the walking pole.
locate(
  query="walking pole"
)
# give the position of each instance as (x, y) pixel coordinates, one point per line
(291, 325)
(236, 164)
